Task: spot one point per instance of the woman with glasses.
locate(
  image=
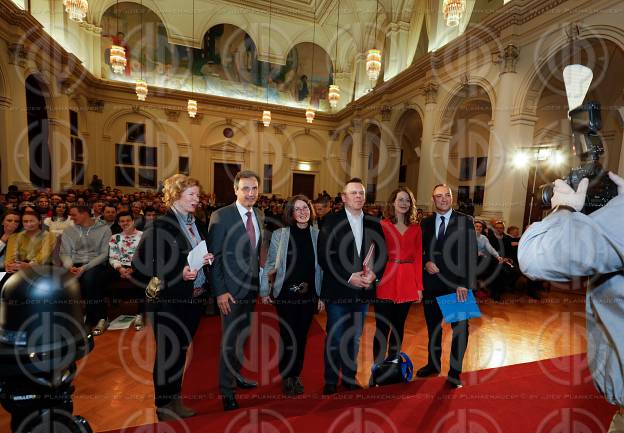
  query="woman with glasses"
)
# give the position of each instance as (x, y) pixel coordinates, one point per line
(292, 265)
(402, 280)
(60, 219)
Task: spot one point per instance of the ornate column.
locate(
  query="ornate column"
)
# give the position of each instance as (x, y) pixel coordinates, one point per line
(358, 168)
(344, 81)
(389, 158)
(15, 163)
(496, 200)
(398, 34)
(428, 174)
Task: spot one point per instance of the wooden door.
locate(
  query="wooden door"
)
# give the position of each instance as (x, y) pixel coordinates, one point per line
(224, 182)
(303, 184)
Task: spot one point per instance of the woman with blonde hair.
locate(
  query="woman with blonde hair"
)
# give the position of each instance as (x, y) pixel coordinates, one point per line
(175, 313)
(402, 280)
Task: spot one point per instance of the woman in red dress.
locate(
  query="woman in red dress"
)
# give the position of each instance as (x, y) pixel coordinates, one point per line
(402, 279)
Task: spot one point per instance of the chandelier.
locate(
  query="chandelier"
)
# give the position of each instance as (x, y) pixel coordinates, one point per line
(266, 118)
(334, 91)
(453, 11)
(266, 114)
(192, 107)
(76, 9)
(141, 84)
(309, 114)
(141, 89)
(118, 59)
(334, 95)
(373, 64)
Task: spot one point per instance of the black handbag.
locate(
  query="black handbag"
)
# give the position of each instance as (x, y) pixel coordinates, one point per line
(394, 369)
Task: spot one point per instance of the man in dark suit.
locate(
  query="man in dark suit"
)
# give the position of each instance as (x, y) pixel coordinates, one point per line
(449, 257)
(344, 241)
(235, 237)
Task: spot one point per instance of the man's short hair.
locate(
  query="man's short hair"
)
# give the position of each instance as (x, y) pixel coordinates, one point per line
(444, 185)
(81, 208)
(353, 180)
(245, 174)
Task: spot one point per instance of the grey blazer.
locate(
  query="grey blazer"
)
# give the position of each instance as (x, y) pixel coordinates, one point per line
(276, 259)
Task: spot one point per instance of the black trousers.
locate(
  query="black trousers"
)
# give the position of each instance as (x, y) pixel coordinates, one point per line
(295, 319)
(235, 328)
(390, 320)
(93, 286)
(174, 325)
(433, 317)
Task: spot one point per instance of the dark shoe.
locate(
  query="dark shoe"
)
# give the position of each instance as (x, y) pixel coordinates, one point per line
(243, 383)
(427, 370)
(298, 386)
(352, 386)
(289, 386)
(329, 389)
(454, 382)
(182, 410)
(165, 415)
(229, 403)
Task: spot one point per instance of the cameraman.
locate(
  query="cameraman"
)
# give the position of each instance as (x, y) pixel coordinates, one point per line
(569, 244)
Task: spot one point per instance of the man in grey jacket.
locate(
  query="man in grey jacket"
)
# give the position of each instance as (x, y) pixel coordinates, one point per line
(84, 252)
(569, 244)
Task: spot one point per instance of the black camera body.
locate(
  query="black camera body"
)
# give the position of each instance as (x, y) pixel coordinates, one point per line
(586, 122)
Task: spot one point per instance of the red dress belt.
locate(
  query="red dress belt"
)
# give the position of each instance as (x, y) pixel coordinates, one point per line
(401, 261)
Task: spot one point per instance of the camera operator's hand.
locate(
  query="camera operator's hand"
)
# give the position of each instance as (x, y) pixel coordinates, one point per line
(564, 195)
(618, 181)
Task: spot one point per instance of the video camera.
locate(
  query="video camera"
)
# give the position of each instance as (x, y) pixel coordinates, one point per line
(586, 123)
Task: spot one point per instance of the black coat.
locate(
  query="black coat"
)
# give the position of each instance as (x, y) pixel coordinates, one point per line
(236, 265)
(338, 257)
(165, 238)
(455, 256)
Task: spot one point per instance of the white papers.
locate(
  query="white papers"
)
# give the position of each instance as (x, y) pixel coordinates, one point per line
(195, 258)
(122, 322)
(2, 274)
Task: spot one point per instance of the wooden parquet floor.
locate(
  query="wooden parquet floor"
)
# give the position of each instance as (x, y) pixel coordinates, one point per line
(114, 385)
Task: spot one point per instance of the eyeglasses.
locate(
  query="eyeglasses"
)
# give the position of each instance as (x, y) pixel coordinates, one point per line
(403, 200)
(301, 209)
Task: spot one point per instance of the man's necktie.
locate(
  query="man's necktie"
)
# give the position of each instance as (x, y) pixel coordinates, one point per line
(251, 232)
(441, 229)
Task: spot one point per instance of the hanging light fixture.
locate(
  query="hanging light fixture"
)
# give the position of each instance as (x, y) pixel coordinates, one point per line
(141, 84)
(334, 91)
(76, 9)
(373, 58)
(266, 118)
(118, 59)
(453, 11)
(266, 114)
(309, 114)
(141, 89)
(191, 106)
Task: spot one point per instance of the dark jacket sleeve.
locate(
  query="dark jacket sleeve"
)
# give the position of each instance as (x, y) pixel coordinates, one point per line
(215, 243)
(381, 257)
(143, 261)
(471, 253)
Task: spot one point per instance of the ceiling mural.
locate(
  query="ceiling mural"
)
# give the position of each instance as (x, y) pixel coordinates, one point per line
(226, 63)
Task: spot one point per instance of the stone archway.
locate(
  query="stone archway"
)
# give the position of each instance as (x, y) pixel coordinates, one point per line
(409, 132)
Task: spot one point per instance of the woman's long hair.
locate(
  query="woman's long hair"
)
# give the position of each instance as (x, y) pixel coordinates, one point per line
(390, 213)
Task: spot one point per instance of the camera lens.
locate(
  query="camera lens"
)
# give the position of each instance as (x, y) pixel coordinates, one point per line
(545, 194)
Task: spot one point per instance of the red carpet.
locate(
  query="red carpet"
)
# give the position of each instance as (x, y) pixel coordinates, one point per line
(551, 396)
